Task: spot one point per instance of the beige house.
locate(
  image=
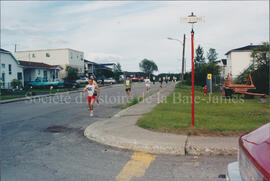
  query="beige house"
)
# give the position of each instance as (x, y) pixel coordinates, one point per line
(63, 57)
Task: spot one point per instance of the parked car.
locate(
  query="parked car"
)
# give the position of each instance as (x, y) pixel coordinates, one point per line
(109, 81)
(253, 158)
(43, 82)
(70, 84)
(137, 79)
(82, 80)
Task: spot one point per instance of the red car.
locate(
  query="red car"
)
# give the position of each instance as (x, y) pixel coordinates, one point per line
(254, 157)
(137, 79)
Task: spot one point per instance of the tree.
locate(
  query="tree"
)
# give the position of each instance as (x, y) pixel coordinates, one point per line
(16, 83)
(261, 54)
(148, 66)
(72, 73)
(212, 55)
(199, 58)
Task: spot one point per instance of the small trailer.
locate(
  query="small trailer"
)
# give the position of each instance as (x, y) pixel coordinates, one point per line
(229, 89)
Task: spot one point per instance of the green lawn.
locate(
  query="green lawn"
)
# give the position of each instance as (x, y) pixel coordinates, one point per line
(23, 93)
(216, 117)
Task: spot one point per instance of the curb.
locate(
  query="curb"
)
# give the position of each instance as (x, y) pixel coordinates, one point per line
(121, 131)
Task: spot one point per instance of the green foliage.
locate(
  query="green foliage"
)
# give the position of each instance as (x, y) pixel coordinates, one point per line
(260, 71)
(72, 73)
(199, 58)
(148, 66)
(132, 102)
(212, 55)
(261, 54)
(15, 83)
(260, 78)
(201, 71)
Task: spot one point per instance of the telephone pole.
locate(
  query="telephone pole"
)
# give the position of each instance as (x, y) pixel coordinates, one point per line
(183, 57)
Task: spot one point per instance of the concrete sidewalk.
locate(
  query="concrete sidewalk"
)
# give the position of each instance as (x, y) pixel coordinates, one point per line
(121, 131)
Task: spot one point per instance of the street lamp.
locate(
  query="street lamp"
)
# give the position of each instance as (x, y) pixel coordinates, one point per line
(192, 19)
(183, 55)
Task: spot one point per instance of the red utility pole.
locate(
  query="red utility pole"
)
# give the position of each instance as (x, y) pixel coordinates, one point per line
(192, 74)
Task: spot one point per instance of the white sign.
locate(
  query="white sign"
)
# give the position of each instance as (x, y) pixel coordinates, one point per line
(192, 19)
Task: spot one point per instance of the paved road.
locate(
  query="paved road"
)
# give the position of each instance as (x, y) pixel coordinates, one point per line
(30, 152)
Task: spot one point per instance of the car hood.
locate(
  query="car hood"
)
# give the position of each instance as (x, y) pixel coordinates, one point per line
(256, 145)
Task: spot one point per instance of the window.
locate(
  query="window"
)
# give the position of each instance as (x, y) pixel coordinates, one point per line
(47, 55)
(3, 66)
(19, 75)
(38, 71)
(3, 79)
(33, 55)
(9, 69)
(56, 75)
(45, 75)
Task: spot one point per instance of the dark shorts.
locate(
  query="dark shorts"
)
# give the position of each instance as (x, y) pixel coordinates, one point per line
(128, 89)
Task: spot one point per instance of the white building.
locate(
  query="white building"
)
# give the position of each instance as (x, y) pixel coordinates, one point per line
(63, 57)
(10, 69)
(35, 71)
(238, 60)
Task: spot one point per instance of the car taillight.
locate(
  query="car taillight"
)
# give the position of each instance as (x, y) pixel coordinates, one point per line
(247, 169)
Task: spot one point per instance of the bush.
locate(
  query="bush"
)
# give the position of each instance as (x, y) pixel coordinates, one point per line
(16, 83)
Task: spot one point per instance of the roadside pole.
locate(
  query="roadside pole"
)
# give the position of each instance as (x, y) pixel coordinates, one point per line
(192, 19)
(183, 57)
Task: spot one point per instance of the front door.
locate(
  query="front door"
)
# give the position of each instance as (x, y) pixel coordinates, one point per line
(45, 75)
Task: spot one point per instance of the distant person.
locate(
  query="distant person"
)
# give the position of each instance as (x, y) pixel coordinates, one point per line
(205, 90)
(90, 88)
(160, 81)
(147, 83)
(127, 84)
(166, 80)
(174, 78)
(95, 83)
(154, 79)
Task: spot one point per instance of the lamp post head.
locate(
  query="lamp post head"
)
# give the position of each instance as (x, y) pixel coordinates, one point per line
(192, 18)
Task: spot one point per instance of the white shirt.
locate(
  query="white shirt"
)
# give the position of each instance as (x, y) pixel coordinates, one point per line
(147, 81)
(127, 82)
(90, 89)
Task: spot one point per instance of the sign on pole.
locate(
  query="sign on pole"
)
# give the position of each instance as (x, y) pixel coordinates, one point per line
(209, 82)
(209, 76)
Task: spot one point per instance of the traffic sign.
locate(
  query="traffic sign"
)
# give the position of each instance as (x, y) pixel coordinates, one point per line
(209, 76)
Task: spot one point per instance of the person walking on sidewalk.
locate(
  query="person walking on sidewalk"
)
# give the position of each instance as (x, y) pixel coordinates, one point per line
(127, 84)
(147, 83)
(90, 88)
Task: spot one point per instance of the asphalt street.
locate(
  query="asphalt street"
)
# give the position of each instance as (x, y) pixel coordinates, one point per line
(32, 151)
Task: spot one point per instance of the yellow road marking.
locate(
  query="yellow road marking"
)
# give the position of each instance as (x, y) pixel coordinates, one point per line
(136, 166)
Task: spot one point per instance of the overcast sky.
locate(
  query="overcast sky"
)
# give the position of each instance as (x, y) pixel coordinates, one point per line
(129, 31)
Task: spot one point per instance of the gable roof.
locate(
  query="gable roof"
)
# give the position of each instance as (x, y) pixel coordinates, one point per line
(245, 48)
(8, 52)
(37, 65)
